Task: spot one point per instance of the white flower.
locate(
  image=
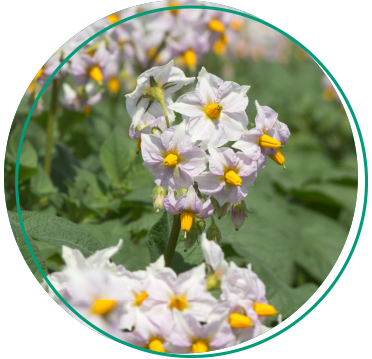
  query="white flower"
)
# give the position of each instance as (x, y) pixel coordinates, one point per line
(153, 92)
(215, 111)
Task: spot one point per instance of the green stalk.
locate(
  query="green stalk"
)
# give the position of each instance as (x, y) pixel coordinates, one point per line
(52, 113)
(173, 239)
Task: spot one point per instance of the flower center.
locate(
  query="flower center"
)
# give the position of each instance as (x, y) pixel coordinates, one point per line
(236, 24)
(268, 142)
(239, 321)
(216, 25)
(178, 303)
(186, 220)
(190, 58)
(113, 85)
(200, 346)
(278, 157)
(103, 306)
(39, 73)
(157, 346)
(264, 310)
(113, 18)
(170, 160)
(140, 298)
(174, 3)
(96, 74)
(86, 110)
(214, 110)
(232, 178)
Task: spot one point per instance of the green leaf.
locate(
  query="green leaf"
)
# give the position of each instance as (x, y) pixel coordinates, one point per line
(21, 242)
(116, 156)
(41, 185)
(58, 231)
(185, 260)
(158, 236)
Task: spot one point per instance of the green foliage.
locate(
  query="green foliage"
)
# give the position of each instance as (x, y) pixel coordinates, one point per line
(98, 191)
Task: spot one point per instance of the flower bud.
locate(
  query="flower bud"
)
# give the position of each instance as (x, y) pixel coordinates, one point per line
(180, 192)
(156, 130)
(221, 211)
(214, 233)
(239, 212)
(200, 224)
(158, 195)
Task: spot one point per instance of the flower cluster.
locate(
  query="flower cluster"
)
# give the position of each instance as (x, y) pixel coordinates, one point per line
(192, 161)
(109, 62)
(160, 310)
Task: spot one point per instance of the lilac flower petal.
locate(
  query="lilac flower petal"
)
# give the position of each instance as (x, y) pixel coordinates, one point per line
(194, 161)
(210, 183)
(221, 159)
(181, 177)
(152, 150)
(207, 210)
(189, 105)
(206, 88)
(265, 118)
(231, 194)
(233, 97)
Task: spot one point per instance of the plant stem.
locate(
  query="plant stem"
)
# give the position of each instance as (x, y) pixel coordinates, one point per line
(52, 112)
(165, 113)
(173, 239)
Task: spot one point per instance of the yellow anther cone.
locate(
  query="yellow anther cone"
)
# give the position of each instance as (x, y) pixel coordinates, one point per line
(157, 346)
(96, 74)
(178, 303)
(103, 306)
(232, 178)
(269, 142)
(186, 221)
(86, 110)
(173, 3)
(239, 321)
(170, 160)
(39, 73)
(264, 310)
(236, 24)
(278, 157)
(214, 110)
(216, 25)
(199, 347)
(140, 298)
(113, 85)
(139, 143)
(219, 47)
(190, 58)
(113, 18)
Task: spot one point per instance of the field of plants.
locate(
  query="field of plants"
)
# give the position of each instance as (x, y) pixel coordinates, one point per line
(94, 189)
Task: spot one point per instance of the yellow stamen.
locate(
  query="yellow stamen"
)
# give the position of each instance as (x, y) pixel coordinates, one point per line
(236, 24)
(190, 58)
(268, 142)
(178, 303)
(264, 310)
(170, 160)
(219, 47)
(103, 306)
(113, 85)
(86, 110)
(232, 178)
(199, 347)
(214, 110)
(157, 346)
(329, 94)
(174, 3)
(239, 321)
(216, 25)
(31, 87)
(113, 18)
(39, 73)
(278, 157)
(96, 74)
(139, 143)
(140, 298)
(186, 220)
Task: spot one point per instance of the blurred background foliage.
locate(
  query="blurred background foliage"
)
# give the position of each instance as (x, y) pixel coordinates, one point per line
(98, 190)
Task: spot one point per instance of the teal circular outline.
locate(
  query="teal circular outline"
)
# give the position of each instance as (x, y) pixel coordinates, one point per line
(322, 67)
